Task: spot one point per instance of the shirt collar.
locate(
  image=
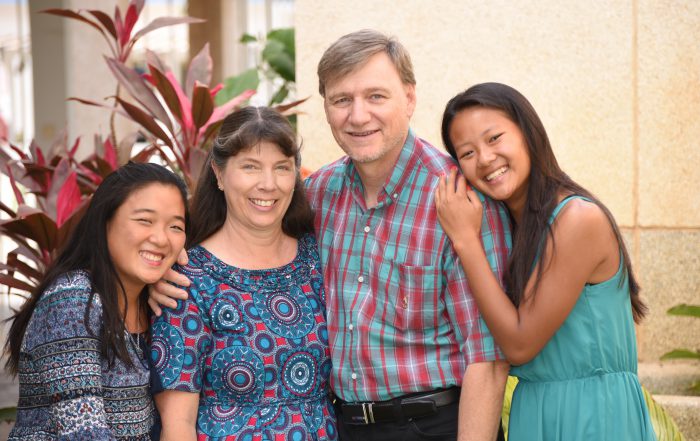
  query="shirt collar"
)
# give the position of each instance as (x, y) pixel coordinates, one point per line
(401, 171)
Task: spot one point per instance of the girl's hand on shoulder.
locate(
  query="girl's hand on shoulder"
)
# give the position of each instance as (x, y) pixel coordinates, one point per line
(458, 207)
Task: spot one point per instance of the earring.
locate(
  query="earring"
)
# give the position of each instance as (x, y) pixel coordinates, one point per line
(221, 187)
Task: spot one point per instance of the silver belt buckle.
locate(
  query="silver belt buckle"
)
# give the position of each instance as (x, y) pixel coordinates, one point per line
(367, 413)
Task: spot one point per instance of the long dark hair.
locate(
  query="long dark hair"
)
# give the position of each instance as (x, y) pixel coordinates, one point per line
(87, 249)
(546, 182)
(241, 130)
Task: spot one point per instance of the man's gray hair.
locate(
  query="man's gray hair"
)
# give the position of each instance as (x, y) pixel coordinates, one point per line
(352, 51)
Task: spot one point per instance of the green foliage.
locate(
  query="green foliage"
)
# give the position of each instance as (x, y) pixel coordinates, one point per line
(682, 353)
(277, 64)
(686, 310)
(664, 426)
(507, 400)
(234, 86)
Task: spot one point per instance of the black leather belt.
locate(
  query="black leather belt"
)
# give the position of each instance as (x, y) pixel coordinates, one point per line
(398, 409)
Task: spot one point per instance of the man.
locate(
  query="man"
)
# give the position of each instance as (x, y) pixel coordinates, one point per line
(403, 327)
(404, 330)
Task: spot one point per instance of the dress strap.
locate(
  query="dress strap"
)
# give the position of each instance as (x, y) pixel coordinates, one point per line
(563, 203)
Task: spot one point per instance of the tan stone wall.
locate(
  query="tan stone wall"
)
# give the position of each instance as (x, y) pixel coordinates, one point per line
(617, 84)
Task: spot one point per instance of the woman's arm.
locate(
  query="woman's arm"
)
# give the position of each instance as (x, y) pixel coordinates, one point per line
(585, 247)
(178, 413)
(66, 358)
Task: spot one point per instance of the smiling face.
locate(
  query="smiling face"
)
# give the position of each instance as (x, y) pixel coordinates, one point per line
(493, 154)
(369, 111)
(145, 235)
(258, 184)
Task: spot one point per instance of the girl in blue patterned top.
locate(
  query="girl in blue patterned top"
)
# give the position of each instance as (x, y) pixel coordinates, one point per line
(78, 343)
(246, 356)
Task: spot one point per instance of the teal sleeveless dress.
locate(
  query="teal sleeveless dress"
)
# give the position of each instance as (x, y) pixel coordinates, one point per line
(583, 385)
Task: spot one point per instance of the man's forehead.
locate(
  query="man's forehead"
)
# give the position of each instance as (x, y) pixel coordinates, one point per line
(377, 72)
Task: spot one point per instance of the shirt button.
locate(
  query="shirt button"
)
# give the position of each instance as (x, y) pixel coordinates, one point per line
(350, 327)
(353, 376)
(396, 195)
(360, 279)
(367, 229)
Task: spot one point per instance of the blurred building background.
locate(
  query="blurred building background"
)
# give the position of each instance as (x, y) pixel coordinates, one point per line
(616, 83)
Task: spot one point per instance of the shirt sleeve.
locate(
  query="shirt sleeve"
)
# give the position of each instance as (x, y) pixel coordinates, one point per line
(180, 341)
(475, 339)
(68, 360)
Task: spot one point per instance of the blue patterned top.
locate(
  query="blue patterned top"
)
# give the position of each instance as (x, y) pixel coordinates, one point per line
(254, 345)
(66, 389)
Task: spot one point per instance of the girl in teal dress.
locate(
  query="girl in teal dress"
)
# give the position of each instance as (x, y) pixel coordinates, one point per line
(565, 320)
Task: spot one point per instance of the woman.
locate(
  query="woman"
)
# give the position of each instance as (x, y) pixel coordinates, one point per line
(565, 320)
(79, 342)
(246, 355)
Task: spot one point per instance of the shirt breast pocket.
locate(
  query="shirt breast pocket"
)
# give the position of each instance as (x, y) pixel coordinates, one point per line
(414, 297)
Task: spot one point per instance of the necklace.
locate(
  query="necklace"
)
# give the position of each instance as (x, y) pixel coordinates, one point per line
(135, 342)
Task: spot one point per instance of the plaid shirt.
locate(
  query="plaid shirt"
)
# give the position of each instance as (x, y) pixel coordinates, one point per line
(401, 317)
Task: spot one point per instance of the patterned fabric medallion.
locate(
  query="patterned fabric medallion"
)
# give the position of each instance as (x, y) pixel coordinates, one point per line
(240, 374)
(288, 314)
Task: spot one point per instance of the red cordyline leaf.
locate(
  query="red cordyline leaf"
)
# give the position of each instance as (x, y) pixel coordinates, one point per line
(134, 83)
(69, 224)
(119, 26)
(7, 209)
(15, 264)
(106, 21)
(104, 106)
(19, 151)
(110, 154)
(74, 15)
(61, 173)
(199, 71)
(283, 108)
(76, 144)
(68, 199)
(37, 154)
(202, 105)
(186, 122)
(139, 5)
(91, 175)
(15, 283)
(146, 121)
(130, 19)
(161, 22)
(166, 89)
(223, 110)
(216, 89)
(37, 227)
(4, 132)
(13, 184)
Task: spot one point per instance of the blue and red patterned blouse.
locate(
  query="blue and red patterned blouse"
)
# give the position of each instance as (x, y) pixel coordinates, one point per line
(254, 345)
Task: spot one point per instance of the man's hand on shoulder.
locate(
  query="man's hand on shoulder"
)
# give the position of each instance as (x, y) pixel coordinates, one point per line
(164, 294)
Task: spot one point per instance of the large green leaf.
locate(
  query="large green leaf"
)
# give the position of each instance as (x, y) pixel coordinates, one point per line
(687, 310)
(681, 353)
(234, 86)
(284, 36)
(664, 426)
(281, 61)
(507, 399)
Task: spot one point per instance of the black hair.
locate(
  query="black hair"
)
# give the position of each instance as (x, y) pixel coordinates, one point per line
(87, 249)
(546, 182)
(241, 130)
